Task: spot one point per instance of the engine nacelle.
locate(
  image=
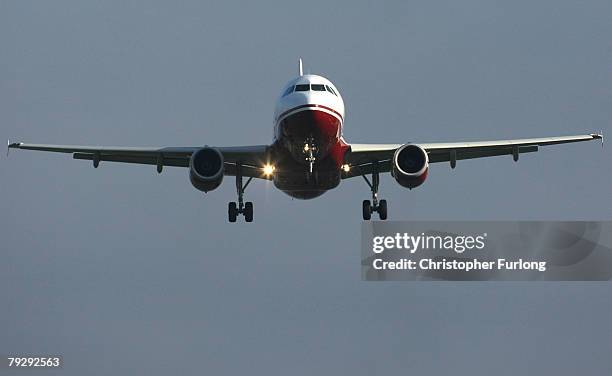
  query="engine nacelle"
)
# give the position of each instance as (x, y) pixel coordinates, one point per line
(410, 165)
(206, 169)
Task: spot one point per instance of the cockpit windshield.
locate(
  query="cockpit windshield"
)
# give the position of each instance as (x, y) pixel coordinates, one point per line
(308, 87)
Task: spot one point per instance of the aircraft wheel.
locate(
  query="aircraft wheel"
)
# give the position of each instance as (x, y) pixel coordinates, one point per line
(382, 209)
(367, 210)
(248, 211)
(232, 211)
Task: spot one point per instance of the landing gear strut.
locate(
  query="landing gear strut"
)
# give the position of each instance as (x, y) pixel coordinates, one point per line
(375, 205)
(243, 208)
(310, 149)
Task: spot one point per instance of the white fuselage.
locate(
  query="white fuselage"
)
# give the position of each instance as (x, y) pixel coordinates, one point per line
(308, 122)
(293, 101)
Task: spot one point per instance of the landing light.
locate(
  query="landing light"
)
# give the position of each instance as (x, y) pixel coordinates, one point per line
(268, 169)
(346, 168)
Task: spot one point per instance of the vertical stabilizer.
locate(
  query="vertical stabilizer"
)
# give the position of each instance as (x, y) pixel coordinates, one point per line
(301, 69)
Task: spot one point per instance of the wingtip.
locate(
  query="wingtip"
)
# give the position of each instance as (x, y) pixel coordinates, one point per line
(598, 136)
(10, 145)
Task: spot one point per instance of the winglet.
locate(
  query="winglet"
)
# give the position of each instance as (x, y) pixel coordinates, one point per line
(301, 69)
(10, 145)
(598, 136)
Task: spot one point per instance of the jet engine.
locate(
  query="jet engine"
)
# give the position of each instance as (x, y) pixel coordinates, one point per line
(410, 165)
(206, 169)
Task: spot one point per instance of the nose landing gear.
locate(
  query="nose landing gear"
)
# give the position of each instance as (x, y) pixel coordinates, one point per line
(379, 206)
(310, 149)
(244, 208)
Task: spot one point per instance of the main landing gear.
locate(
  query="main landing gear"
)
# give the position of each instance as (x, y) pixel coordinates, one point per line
(244, 208)
(375, 206)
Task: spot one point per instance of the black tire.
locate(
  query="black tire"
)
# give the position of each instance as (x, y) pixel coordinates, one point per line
(248, 211)
(367, 210)
(382, 209)
(232, 211)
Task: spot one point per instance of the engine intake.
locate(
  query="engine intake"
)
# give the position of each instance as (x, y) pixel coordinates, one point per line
(206, 169)
(410, 165)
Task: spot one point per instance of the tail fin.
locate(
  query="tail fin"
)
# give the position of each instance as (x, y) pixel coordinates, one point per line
(301, 70)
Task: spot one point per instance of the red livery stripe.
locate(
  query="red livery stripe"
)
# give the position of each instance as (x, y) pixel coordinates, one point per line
(310, 105)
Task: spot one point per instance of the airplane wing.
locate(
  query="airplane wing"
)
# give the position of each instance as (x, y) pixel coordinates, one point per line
(251, 158)
(363, 157)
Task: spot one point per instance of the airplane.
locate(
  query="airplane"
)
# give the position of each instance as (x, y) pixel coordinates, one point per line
(308, 155)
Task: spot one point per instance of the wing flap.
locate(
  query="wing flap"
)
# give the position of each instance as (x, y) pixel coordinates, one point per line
(445, 155)
(117, 150)
(362, 157)
(509, 143)
(136, 159)
(367, 168)
(246, 170)
(251, 157)
(366, 153)
(254, 154)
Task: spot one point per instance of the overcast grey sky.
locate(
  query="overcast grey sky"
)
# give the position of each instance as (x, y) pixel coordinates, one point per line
(123, 270)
